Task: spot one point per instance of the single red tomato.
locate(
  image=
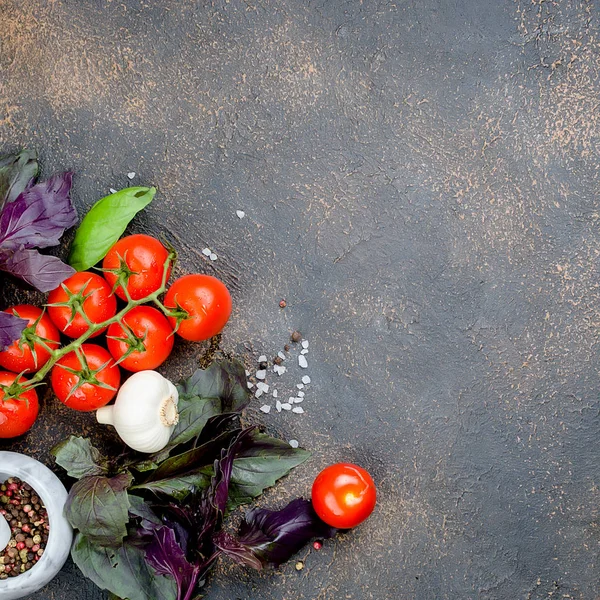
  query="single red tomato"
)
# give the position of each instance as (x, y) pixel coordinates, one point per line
(28, 354)
(139, 261)
(86, 383)
(87, 290)
(343, 495)
(147, 335)
(17, 415)
(206, 301)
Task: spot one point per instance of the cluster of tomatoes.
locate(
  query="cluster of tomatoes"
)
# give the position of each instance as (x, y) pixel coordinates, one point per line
(87, 305)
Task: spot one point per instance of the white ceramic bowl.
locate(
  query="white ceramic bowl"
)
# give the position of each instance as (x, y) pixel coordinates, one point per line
(53, 495)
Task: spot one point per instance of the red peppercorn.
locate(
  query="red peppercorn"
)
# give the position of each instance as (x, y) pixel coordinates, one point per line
(317, 545)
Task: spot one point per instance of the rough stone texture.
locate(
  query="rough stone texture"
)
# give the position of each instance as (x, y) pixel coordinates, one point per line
(419, 180)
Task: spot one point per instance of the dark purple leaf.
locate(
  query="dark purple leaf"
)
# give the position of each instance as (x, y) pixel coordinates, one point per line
(272, 537)
(17, 172)
(39, 270)
(39, 215)
(11, 328)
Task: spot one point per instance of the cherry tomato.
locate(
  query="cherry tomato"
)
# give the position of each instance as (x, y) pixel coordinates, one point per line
(147, 332)
(16, 415)
(141, 260)
(94, 382)
(28, 355)
(88, 290)
(207, 302)
(343, 495)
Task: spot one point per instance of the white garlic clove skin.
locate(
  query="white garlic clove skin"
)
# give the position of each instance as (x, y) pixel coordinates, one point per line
(145, 411)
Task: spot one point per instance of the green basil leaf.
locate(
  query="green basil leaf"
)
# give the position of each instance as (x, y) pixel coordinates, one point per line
(105, 223)
(179, 487)
(122, 570)
(99, 508)
(79, 458)
(16, 171)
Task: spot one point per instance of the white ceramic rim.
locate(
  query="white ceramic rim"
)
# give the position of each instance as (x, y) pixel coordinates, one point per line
(54, 504)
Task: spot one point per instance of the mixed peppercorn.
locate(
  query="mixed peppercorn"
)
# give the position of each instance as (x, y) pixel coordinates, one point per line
(28, 520)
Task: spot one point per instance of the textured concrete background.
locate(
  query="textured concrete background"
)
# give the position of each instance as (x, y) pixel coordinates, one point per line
(420, 183)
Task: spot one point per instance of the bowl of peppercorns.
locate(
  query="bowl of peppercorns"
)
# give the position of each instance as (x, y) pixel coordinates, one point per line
(35, 537)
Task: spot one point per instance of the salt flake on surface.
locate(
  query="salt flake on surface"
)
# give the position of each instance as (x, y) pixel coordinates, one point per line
(258, 393)
(278, 406)
(262, 358)
(298, 410)
(293, 443)
(301, 394)
(262, 386)
(261, 374)
(302, 362)
(112, 190)
(281, 355)
(265, 408)
(304, 351)
(206, 252)
(250, 385)
(247, 373)
(279, 369)
(131, 175)
(305, 343)
(275, 394)
(213, 256)
(286, 406)
(240, 213)
(299, 385)
(306, 379)
(298, 400)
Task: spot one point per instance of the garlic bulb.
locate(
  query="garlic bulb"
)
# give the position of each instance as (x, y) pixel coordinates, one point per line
(145, 411)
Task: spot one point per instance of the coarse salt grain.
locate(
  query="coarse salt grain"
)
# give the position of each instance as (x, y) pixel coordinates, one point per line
(247, 373)
(279, 369)
(261, 374)
(258, 393)
(213, 256)
(293, 443)
(278, 406)
(262, 358)
(301, 394)
(286, 406)
(206, 252)
(304, 351)
(305, 343)
(240, 213)
(306, 379)
(275, 394)
(250, 385)
(299, 385)
(262, 386)
(265, 408)
(131, 175)
(298, 410)
(281, 355)
(298, 400)
(112, 190)
(302, 362)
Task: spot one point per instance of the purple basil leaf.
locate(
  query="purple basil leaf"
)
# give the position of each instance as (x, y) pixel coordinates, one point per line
(11, 328)
(272, 537)
(39, 270)
(167, 557)
(39, 215)
(17, 172)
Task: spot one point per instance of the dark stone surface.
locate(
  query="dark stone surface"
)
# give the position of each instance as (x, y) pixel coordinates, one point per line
(419, 180)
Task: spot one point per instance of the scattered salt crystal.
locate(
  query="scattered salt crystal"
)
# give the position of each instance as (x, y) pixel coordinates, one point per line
(213, 256)
(278, 406)
(299, 385)
(262, 386)
(302, 362)
(261, 374)
(306, 379)
(262, 358)
(301, 394)
(265, 408)
(240, 213)
(112, 190)
(247, 373)
(293, 443)
(131, 175)
(304, 351)
(286, 406)
(275, 394)
(206, 252)
(281, 355)
(298, 400)
(305, 343)
(258, 393)
(250, 385)
(298, 410)
(279, 369)
(292, 400)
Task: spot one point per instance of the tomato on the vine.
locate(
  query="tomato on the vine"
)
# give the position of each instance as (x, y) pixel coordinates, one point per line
(343, 495)
(17, 415)
(30, 353)
(147, 337)
(88, 291)
(205, 300)
(136, 261)
(86, 379)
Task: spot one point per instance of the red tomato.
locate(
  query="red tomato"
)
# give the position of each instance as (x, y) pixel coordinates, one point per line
(27, 354)
(343, 495)
(88, 290)
(147, 332)
(95, 382)
(16, 415)
(141, 259)
(207, 302)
